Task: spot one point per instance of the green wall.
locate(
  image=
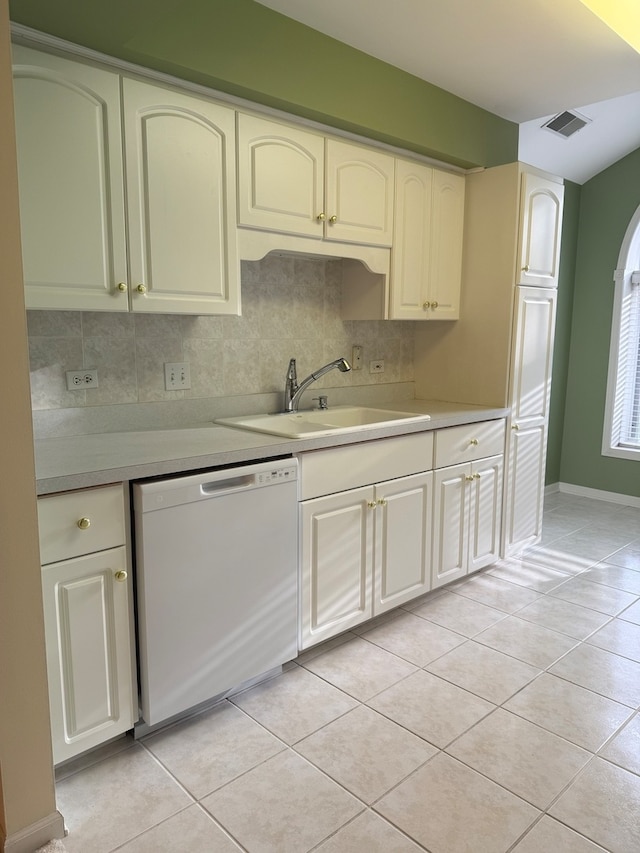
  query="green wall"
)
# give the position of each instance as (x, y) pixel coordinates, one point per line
(243, 48)
(607, 203)
(561, 350)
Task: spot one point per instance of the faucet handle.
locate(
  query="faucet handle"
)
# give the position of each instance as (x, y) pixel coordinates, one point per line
(322, 401)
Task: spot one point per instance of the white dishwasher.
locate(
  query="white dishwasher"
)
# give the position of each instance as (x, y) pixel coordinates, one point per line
(216, 576)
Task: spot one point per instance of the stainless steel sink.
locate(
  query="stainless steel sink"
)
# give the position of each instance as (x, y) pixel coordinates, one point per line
(319, 422)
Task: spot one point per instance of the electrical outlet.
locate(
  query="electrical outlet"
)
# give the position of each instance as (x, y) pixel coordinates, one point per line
(177, 376)
(81, 380)
(376, 366)
(356, 357)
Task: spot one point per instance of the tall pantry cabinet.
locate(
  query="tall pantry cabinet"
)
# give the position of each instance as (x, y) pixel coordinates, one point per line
(500, 351)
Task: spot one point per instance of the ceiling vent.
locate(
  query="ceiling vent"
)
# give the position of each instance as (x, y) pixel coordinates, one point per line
(567, 123)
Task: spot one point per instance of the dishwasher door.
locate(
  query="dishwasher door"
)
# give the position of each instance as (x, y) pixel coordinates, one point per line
(217, 589)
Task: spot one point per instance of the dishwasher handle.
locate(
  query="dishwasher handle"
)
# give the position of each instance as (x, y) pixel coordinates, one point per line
(214, 487)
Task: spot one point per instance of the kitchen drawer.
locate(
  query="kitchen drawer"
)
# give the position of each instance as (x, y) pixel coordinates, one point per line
(324, 472)
(81, 522)
(469, 442)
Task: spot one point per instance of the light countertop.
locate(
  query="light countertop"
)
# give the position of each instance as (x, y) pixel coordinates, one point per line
(82, 461)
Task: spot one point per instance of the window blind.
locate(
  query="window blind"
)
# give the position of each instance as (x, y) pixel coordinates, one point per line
(630, 361)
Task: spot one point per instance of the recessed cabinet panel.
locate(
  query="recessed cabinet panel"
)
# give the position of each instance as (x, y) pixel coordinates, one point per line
(87, 611)
(337, 551)
(180, 170)
(485, 512)
(524, 493)
(280, 177)
(446, 245)
(69, 170)
(533, 353)
(450, 511)
(403, 540)
(541, 227)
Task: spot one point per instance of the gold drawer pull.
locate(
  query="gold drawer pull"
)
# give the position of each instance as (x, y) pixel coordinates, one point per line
(371, 504)
(515, 426)
(382, 501)
(120, 576)
(474, 442)
(84, 523)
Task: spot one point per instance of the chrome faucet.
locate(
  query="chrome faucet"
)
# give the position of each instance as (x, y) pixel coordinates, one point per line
(293, 391)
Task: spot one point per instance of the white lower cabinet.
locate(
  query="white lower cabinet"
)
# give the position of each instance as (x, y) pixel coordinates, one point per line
(467, 511)
(88, 618)
(364, 551)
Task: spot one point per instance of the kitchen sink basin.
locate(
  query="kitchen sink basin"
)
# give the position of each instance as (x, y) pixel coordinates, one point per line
(319, 422)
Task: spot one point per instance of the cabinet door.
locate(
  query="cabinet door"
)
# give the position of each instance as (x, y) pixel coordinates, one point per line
(445, 266)
(180, 159)
(530, 389)
(336, 563)
(89, 651)
(485, 512)
(411, 252)
(451, 497)
(540, 231)
(359, 194)
(280, 177)
(402, 568)
(69, 147)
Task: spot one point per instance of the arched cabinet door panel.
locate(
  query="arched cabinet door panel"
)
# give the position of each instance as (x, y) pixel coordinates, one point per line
(541, 226)
(69, 146)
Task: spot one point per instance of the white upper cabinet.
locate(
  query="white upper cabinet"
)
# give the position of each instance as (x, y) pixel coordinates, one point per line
(70, 177)
(294, 181)
(426, 263)
(180, 168)
(179, 254)
(541, 205)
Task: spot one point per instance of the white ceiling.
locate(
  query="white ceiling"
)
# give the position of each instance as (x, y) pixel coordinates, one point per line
(525, 61)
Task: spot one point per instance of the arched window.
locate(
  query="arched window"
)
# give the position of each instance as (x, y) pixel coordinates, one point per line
(621, 436)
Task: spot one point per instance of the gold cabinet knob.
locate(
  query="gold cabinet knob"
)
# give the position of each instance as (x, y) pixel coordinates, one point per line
(371, 504)
(434, 305)
(474, 442)
(426, 306)
(382, 501)
(321, 217)
(141, 288)
(469, 478)
(515, 427)
(122, 287)
(333, 218)
(120, 575)
(525, 268)
(84, 523)
(476, 476)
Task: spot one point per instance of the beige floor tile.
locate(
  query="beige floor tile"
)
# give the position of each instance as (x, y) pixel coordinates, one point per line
(570, 711)
(368, 833)
(479, 669)
(365, 752)
(430, 707)
(283, 806)
(414, 639)
(594, 543)
(459, 614)
(449, 808)
(631, 614)
(523, 758)
(564, 617)
(620, 637)
(192, 829)
(207, 751)
(598, 597)
(94, 756)
(111, 802)
(321, 648)
(549, 836)
(526, 641)
(603, 672)
(628, 557)
(494, 592)
(603, 803)
(530, 575)
(624, 749)
(616, 576)
(294, 704)
(360, 668)
(555, 555)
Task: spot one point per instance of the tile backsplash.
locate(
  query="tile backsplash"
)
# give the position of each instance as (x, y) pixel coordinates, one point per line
(290, 308)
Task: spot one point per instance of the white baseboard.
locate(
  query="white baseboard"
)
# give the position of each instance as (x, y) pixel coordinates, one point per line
(596, 494)
(35, 835)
